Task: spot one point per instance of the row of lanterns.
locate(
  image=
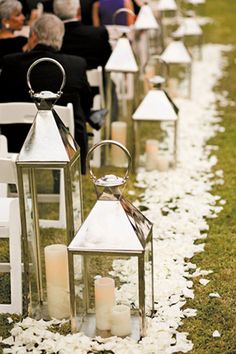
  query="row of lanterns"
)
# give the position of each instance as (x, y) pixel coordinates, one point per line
(59, 278)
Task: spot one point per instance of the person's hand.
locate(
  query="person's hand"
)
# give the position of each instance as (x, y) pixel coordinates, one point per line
(35, 13)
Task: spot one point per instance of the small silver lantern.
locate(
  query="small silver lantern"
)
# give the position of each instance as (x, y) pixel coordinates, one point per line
(177, 54)
(158, 107)
(114, 246)
(122, 61)
(48, 151)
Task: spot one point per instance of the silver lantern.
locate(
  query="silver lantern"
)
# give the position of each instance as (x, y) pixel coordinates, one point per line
(48, 152)
(111, 263)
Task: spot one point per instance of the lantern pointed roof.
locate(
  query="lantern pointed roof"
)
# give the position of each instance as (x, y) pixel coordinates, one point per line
(145, 19)
(155, 106)
(167, 5)
(113, 226)
(122, 58)
(176, 53)
(48, 140)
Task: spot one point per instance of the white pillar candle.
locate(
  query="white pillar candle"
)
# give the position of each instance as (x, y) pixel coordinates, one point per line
(104, 301)
(120, 321)
(151, 154)
(57, 280)
(118, 133)
(173, 87)
(162, 163)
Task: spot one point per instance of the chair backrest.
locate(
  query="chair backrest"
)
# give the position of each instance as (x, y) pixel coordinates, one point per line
(7, 168)
(3, 146)
(8, 175)
(95, 79)
(25, 112)
(66, 114)
(8, 171)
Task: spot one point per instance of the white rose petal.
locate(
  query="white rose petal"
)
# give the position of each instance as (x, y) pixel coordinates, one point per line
(215, 334)
(214, 295)
(204, 281)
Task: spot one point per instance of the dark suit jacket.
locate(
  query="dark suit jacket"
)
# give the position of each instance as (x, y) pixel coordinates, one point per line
(86, 11)
(88, 42)
(46, 76)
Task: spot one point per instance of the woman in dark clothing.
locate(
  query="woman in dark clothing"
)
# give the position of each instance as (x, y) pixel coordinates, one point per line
(11, 20)
(104, 10)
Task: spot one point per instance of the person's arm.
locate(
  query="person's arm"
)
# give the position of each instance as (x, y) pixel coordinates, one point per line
(130, 18)
(95, 14)
(139, 2)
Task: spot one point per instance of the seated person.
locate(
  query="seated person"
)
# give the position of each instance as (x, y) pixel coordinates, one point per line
(11, 20)
(88, 42)
(45, 41)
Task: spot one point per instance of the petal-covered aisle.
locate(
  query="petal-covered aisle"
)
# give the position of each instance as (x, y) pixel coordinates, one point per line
(179, 202)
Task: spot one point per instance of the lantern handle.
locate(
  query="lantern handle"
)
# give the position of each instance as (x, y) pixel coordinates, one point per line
(105, 142)
(48, 60)
(117, 12)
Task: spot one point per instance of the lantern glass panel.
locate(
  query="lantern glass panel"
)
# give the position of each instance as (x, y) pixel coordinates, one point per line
(37, 237)
(76, 192)
(124, 270)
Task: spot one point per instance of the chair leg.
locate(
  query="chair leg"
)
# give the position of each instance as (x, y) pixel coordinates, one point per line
(12, 227)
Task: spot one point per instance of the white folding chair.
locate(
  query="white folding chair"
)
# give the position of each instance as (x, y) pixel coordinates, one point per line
(95, 79)
(25, 112)
(3, 146)
(10, 229)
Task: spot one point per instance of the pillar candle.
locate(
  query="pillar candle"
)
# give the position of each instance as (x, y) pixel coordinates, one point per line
(151, 154)
(118, 133)
(120, 321)
(173, 87)
(162, 163)
(57, 280)
(104, 301)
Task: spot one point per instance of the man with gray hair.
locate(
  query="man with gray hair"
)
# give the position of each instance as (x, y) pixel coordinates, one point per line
(45, 41)
(88, 42)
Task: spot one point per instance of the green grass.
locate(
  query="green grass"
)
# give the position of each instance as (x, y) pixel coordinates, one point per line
(220, 251)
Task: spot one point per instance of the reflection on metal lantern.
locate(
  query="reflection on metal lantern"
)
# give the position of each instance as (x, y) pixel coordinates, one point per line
(114, 243)
(49, 153)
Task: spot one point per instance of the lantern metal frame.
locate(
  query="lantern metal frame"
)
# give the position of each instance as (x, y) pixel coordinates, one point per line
(167, 111)
(136, 221)
(36, 156)
(190, 28)
(180, 56)
(117, 63)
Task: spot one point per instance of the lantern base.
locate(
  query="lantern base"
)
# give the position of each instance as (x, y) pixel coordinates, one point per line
(89, 327)
(40, 312)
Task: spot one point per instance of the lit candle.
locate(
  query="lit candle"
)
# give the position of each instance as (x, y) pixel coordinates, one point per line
(162, 163)
(104, 301)
(151, 154)
(120, 321)
(118, 133)
(57, 280)
(173, 87)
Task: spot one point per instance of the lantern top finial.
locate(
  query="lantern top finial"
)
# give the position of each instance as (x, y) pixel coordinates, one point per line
(157, 81)
(110, 181)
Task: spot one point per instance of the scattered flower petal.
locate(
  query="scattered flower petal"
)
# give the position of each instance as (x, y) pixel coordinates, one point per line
(216, 334)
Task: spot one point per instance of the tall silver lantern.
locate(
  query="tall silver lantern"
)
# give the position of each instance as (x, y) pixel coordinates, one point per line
(49, 153)
(111, 263)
